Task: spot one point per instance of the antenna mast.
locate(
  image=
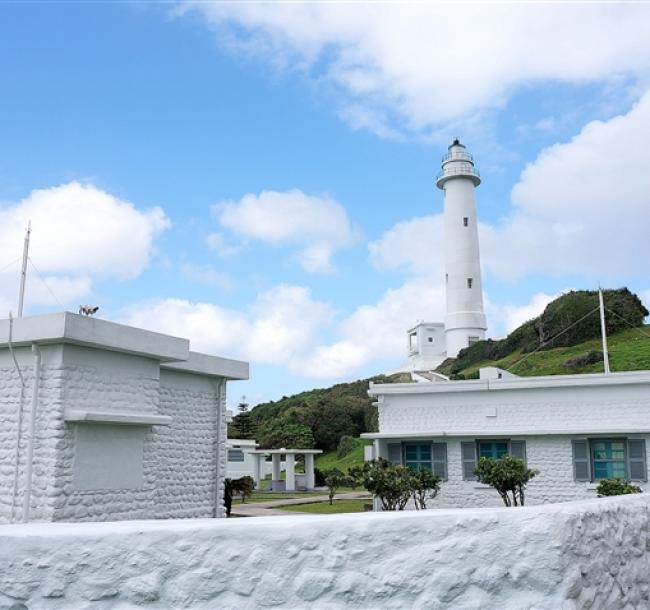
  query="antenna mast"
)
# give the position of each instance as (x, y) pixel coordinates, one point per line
(603, 330)
(23, 273)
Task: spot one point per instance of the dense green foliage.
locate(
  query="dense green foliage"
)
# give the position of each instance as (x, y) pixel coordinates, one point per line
(330, 459)
(243, 425)
(616, 487)
(552, 332)
(328, 414)
(508, 475)
(345, 446)
(395, 485)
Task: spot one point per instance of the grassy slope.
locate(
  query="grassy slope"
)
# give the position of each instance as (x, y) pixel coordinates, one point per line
(628, 351)
(327, 461)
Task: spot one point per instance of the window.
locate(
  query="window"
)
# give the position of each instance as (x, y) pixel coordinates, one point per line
(430, 456)
(417, 457)
(430, 339)
(469, 282)
(608, 458)
(493, 449)
(235, 455)
(446, 278)
(471, 451)
(465, 221)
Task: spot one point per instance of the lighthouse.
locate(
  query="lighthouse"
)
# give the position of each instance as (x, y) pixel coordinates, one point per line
(465, 321)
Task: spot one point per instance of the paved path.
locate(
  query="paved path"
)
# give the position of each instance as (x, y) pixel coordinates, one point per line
(265, 509)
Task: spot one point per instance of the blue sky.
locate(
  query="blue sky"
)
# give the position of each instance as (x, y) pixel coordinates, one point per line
(259, 177)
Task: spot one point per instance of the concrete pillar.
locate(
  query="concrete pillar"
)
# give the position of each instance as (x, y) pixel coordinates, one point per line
(290, 461)
(309, 470)
(257, 468)
(275, 466)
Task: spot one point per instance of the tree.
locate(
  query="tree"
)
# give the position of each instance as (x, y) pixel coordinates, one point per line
(508, 475)
(616, 487)
(243, 425)
(335, 479)
(244, 487)
(393, 485)
(285, 431)
(424, 486)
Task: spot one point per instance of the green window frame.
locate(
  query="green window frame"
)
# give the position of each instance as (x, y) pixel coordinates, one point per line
(418, 456)
(609, 458)
(493, 448)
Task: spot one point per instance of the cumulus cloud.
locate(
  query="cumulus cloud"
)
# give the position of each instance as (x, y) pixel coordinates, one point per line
(79, 233)
(280, 327)
(427, 65)
(508, 317)
(316, 225)
(580, 208)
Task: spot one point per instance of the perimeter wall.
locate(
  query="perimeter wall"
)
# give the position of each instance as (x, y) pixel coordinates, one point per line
(590, 554)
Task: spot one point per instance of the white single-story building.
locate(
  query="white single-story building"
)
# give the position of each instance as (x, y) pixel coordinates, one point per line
(575, 429)
(102, 421)
(241, 462)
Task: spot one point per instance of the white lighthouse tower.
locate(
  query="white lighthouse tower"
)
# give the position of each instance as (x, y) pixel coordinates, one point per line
(465, 322)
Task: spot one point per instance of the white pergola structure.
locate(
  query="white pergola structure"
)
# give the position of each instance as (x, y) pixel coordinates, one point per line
(290, 466)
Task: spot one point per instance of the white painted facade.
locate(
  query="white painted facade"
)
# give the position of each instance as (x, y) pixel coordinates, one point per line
(591, 554)
(241, 463)
(129, 424)
(546, 420)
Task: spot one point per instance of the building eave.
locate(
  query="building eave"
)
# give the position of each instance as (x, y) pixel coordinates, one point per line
(498, 433)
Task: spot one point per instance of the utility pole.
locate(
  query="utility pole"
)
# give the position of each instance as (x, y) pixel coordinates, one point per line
(603, 330)
(23, 273)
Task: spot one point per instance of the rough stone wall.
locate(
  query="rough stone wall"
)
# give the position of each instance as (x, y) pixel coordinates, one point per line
(186, 449)
(533, 409)
(48, 438)
(106, 381)
(593, 554)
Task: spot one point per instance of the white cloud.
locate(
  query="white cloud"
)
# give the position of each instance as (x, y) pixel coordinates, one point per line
(512, 316)
(280, 327)
(218, 243)
(317, 225)
(424, 65)
(207, 275)
(79, 232)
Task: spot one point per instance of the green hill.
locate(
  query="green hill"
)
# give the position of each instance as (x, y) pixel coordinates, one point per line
(565, 339)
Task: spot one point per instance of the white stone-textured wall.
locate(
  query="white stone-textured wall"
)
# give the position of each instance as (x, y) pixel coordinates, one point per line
(551, 455)
(48, 437)
(186, 450)
(532, 409)
(593, 554)
(179, 461)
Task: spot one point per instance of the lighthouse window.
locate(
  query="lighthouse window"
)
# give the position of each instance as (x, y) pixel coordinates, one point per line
(447, 278)
(469, 282)
(465, 221)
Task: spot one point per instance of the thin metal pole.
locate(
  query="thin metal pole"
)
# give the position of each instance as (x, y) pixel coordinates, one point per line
(23, 273)
(603, 330)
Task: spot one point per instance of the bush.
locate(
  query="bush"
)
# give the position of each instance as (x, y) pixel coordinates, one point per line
(616, 487)
(319, 478)
(396, 485)
(334, 479)
(346, 445)
(507, 475)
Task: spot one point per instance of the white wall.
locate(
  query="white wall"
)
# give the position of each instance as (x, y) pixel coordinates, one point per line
(563, 556)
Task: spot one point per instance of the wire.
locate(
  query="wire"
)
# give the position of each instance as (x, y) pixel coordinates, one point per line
(9, 265)
(552, 338)
(628, 322)
(45, 283)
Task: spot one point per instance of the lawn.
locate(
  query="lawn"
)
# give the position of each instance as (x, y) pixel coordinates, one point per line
(324, 508)
(327, 461)
(264, 496)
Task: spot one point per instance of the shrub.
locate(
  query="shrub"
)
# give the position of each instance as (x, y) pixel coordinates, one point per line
(508, 475)
(334, 479)
(346, 445)
(424, 487)
(396, 485)
(319, 478)
(616, 487)
(243, 487)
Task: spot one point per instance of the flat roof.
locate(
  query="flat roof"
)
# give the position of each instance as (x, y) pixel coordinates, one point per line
(285, 451)
(501, 433)
(74, 329)
(512, 383)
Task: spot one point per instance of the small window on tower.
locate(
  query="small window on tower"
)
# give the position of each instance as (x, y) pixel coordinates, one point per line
(430, 339)
(446, 278)
(469, 282)
(465, 221)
